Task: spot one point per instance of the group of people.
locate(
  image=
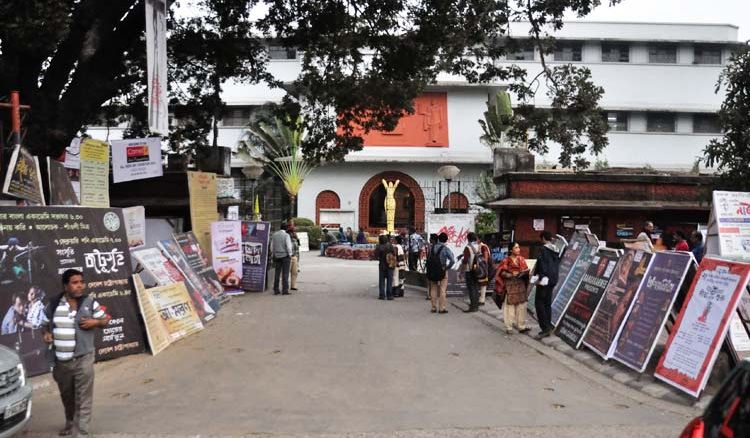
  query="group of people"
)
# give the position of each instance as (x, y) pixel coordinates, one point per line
(677, 241)
(285, 256)
(26, 311)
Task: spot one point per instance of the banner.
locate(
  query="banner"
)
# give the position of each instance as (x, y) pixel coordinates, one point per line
(199, 261)
(304, 241)
(72, 164)
(702, 324)
(37, 244)
(570, 284)
(575, 321)
(456, 226)
(618, 297)
(156, 60)
(94, 173)
(635, 341)
(226, 238)
(23, 178)
(61, 190)
(203, 206)
(138, 158)
(168, 313)
(173, 252)
(255, 236)
(164, 272)
(135, 226)
(729, 226)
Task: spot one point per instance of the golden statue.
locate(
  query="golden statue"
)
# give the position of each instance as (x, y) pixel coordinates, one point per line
(390, 205)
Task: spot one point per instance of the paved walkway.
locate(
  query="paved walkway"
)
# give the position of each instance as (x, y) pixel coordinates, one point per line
(332, 359)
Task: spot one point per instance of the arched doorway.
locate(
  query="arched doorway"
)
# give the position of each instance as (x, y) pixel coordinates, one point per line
(409, 202)
(456, 201)
(326, 199)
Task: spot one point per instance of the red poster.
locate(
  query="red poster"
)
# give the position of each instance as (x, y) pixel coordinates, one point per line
(702, 324)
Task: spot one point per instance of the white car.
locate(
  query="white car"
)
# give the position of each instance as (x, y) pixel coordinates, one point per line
(15, 394)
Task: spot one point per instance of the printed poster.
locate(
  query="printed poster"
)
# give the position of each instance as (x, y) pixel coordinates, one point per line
(729, 226)
(198, 259)
(304, 241)
(94, 173)
(702, 324)
(568, 259)
(226, 238)
(37, 244)
(168, 314)
(570, 284)
(138, 158)
(61, 190)
(23, 179)
(72, 164)
(618, 297)
(587, 297)
(135, 226)
(203, 206)
(156, 65)
(255, 237)
(170, 249)
(456, 226)
(654, 300)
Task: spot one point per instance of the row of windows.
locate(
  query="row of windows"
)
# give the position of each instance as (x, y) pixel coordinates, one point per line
(572, 51)
(703, 123)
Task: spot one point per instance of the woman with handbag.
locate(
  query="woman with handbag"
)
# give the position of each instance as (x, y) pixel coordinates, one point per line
(511, 284)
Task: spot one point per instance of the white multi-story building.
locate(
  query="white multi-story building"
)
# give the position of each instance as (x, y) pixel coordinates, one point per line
(659, 81)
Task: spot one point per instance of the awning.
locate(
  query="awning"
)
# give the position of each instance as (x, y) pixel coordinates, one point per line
(594, 204)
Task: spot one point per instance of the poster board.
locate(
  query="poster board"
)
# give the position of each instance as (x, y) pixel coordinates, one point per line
(136, 158)
(639, 333)
(203, 206)
(37, 244)
(565, 293)
(94, 173)
(568, 259)
(226, 238)
(255, 238)
(729, 226)
(135, 226)
(60, 187)
(72, 164)
(702, 324)
(618, 297)
(574, 323)
(304, 241)
(456, 226)
(23, 178)
(172, 251)
(200, 260)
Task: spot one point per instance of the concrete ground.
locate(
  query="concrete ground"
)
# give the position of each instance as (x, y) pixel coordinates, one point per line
(332, 360)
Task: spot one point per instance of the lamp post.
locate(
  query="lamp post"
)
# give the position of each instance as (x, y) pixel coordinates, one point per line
(448, 173)
(252, 172)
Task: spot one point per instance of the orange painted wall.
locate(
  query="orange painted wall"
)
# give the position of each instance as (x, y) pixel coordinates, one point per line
(427, 127)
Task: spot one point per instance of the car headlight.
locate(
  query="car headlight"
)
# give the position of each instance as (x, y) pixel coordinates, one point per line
(22, 374)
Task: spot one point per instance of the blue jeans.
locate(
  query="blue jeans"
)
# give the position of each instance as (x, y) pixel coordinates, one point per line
(323, 246)
(385, 282)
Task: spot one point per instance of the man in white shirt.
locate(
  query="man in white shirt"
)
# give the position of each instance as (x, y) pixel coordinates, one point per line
(281, 251)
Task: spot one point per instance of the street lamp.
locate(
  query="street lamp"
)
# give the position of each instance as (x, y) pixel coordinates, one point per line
(448, 173)
(252, 171)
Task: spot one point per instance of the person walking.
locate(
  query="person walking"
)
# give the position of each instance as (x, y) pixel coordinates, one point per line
(415, 247)
(281, 252)
(71, 319)
(472, 281)
(294, 260)
(386, 256)
(487, 255)
(546, 271)
(439, 260)
(512, 280)
(399, 274)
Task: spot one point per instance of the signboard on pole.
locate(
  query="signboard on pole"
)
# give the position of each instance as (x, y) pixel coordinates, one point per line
(570, 285)
(575, 321)
(618, 297)
(255, 237)
(94, 173)
(729, 226)
(702, 324)
(37, 245)
(23, 178)
(156, 60)
(138, 158)
(639, 333)
(61, 190)
(203, 206)
(226, 237)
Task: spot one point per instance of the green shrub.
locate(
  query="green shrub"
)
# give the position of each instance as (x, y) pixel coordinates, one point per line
(303, 222)
(486, 222)
(314, 234)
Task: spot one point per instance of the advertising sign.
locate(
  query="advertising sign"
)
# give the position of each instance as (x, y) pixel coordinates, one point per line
(226, 238)
(702, 324)
(203, 206)
(135, 226)
(639, 333)
(198, 259)
(138, 158)
(456, 226)
(172, 250)
(37, 244)
(23, 178)
(61, 190)
(94, 173)
(575, 321)
(570, 285)
(255, 236)
(618, 297)
(729, 226)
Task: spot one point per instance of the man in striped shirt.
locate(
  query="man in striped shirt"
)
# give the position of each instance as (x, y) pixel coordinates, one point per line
(71, 320)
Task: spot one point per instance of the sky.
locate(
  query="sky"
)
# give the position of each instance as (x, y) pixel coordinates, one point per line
(735, 12)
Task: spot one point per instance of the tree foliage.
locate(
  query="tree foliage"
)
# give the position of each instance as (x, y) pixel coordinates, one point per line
(730, 154)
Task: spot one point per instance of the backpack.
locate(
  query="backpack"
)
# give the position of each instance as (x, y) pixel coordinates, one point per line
(435, 268)
(390, 258)
(479, 265)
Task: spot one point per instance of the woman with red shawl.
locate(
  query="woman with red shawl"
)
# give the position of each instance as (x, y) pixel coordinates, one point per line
(511, 284)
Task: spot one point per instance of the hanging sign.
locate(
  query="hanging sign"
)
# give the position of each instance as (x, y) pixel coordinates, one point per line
(134, 159)
(94, 173)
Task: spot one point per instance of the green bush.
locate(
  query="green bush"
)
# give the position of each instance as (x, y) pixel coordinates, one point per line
(314, 234)
(486, 222)
(303, 222)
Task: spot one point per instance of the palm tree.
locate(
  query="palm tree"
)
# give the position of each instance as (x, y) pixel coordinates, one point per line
(497, 120)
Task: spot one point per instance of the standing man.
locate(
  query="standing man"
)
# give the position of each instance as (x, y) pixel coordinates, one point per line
(696, 238)
(547, 265)
(415, 247)
(281, 251)
(645, 235)
(71, 319)
(472, 282)
(439, 260)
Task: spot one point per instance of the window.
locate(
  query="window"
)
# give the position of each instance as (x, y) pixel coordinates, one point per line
(660, 122)
(663, 54)
(617, 121)
(237, 116)
(570, 52)
(615, 53)
(706, 124)
(707, 54)
(280, 52)
(525, 54)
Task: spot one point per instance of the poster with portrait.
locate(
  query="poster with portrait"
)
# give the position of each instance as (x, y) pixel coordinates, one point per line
(199, 259)
(645, 320)
(577, 317)
(23, 178)
(702, 324)
(255, 237)
(561, 300)
(172, 251)
(226, 238)
(618, 297)
(37, 244)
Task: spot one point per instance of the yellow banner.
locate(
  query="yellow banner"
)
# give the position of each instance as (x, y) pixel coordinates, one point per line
(204, 208)
(94, 173)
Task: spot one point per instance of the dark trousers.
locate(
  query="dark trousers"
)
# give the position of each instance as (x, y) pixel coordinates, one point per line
(385, 282)
(75, 380)
(281, 267)
(413, 261)
(472, 284)
(543, 305)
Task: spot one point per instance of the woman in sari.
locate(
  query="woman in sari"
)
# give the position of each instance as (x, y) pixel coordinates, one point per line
(511, 284)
